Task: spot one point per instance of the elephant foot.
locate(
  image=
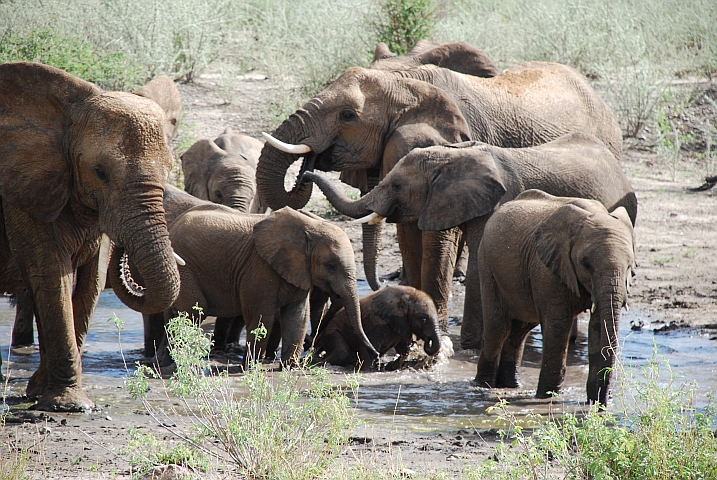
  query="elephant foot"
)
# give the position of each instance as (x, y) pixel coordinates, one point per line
(37, 384)
(471, 345)
(68, 399)
(484, 381)
(508, 383)
(23, 340)
(547, 392)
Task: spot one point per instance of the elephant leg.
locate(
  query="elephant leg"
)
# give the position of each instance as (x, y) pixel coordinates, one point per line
(556, 333)
(496, 330)
(85, 298)
(338, 350)
(153, 332)
(439, 259)
(224, 329)
(472, 326)
(23, 333)
(294, 323)
(253, 318)
(410, 243)
(574, 331)
(318, 301)
(462, 262)
(512, 355)
(273, 340)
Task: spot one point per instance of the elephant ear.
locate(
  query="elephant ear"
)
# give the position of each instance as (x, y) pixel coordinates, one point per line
(460, 57)
(381, 52)
(282, 241)
(621, 214)
(466, 186)
(196, 164)
(36, 102)
(555, 237)
(392, 307)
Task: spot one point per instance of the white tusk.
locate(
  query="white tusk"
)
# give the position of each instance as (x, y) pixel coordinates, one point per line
(372, 218)
(594, 307)
(286, 147)
(104, 260)
(180, 260)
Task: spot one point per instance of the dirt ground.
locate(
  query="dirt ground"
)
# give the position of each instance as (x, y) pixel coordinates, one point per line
(675, 284)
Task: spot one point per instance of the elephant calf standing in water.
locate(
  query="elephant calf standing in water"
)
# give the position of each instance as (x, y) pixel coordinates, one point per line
(223, 171)
(263, 267)
(390, 317)
(544, 260)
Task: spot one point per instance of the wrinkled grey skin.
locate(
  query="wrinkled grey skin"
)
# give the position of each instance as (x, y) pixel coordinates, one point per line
(223, 171)
(543, 260)
(261, 267)
(368, 119)
(461, 185)
(84, 162)
(390, 317)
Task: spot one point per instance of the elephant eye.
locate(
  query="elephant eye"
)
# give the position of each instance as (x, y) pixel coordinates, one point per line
(586, 264)
(331, 267)
(347, 115)
(101, 173)
(218, 195)
(396, 187)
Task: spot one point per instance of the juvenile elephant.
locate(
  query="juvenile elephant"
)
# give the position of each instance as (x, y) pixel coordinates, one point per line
(223, 171)
(545, 259)
(78, 163)
(460, 185)
(390, 317)
(368, 119)
(261, 267)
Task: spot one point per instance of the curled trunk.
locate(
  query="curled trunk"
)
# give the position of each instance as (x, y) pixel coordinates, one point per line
(150, 260)
(272, 167)
(432, 341)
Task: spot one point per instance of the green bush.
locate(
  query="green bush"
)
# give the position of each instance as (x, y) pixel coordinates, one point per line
(109, 69)
(402, 23)
(289, 425)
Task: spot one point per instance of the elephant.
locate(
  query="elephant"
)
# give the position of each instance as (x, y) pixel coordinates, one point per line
(84, 169)
(368, 119)
(445, 186)
(543, 260)
(390, 317)
(223, 170)
(264, 266)
(164, 93)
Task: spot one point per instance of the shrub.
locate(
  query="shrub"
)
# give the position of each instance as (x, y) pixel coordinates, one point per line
(289, 424)
(402, 23)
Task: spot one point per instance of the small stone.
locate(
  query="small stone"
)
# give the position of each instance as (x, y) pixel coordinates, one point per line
(45, 430)
(108, 418)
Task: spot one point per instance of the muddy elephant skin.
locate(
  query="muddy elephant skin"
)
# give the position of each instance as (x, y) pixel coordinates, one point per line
(390, 317)
(84, 162)
(543, 260)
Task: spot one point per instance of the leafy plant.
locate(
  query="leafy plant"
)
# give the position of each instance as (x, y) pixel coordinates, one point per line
(404, 22)
(288, 424)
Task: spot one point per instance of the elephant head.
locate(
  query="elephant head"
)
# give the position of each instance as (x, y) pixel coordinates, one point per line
(408, 311)
(593, 253)
(311, 253)
(365, 120)
(457, 56)
(439, 187)
(223, 170)
(164, 92)
(67, 142)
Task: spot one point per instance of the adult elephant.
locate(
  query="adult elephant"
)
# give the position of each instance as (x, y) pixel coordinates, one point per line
(390, 317)
(78, 163)
(447, 186)
(164, 93)
(543, 260)
(223, 171)
(262, 267)
(366, 120)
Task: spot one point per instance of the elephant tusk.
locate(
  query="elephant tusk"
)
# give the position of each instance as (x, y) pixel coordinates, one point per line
(180, 260)
(104, 260)
(372, 219)
(594, 307)
(286, 147)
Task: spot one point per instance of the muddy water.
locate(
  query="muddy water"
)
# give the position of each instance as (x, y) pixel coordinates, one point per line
(437, 399)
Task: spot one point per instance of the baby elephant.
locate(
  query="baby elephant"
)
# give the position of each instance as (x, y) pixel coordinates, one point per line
(390, 317)
(545, 259)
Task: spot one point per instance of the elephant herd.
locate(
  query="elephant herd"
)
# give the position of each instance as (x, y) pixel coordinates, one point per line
(522, 166)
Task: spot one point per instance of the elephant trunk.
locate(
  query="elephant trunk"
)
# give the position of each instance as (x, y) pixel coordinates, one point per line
(371, 245)
(153, 282)
(603, 338)
(350, 300)
(431, 339)
(272, 167)
(351, 208)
